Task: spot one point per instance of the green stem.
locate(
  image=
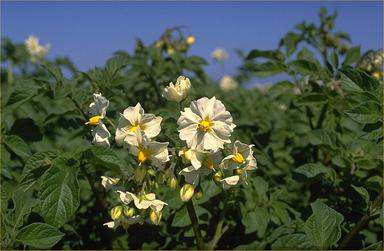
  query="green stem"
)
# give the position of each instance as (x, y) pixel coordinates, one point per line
(195, 225)
(10, 72)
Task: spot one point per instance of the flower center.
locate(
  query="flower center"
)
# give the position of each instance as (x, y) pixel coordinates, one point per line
(238, 158)
(95, 120)
(143, 155)
(205, 125)
(135, 127)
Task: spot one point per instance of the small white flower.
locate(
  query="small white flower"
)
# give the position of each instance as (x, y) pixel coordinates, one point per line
(134, 118)
(36, 50)
(219, 54)
(107, 182)
(206, 124)
(205, 163)
(242, 156)
(230, 181)
(146, 149)
(227, 83)
(97, 110)
(144, 201)
(240, 161)
(110, 224)
(179, 91)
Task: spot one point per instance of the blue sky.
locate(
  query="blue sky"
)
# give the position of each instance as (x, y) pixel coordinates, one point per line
(89, 32)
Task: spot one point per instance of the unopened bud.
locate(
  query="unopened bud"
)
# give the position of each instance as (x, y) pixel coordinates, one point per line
(172, 182)
(128, 211)
(218, 176)
(198, 194)
(116, 212)
(190, 40)
(186, 192)
(155, 217)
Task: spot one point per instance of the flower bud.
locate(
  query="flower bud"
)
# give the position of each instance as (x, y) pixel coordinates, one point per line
(170, 51)
(186, 192)
(198, 194)
(172, 182)
(128, 211)
(190, 40)
(116, 212)
(217, 177)
(179, 91)
(155, 217)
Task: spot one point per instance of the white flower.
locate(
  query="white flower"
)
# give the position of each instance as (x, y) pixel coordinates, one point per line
(98, 109)
(35, 49)
(147, 149)
(179, 91)
(124, 221)
(240, 161)
(110, 224)
(219, 54)
(230, 181)
(134, 118)
(204, 164)
(107, 182)
(227, 83)
(144, 201)
(241, 157)
(206, 124)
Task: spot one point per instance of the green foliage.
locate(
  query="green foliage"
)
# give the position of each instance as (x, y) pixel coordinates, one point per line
(318, 143)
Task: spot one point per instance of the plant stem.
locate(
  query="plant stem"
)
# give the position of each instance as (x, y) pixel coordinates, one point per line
(195, 225)
(10, 72)
(220, 230)
(363, 222)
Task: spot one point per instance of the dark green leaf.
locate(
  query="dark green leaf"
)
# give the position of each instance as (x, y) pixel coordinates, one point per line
(59, 192)
(323, 226)
(18, 146)
(39, 235)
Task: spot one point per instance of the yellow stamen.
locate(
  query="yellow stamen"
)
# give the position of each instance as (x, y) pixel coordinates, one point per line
(205, 125)
(95, 120)
(142, 156)
(238, 158)
(133, 128)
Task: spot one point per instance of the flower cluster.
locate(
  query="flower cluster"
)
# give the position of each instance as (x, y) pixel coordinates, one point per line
(205, 127)
(219, 54)
(227, 83)
(36, 50)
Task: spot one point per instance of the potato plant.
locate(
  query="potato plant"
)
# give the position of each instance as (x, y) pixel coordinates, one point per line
(118, 157)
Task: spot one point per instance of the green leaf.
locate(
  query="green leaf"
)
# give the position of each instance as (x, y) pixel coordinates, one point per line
(54, 70)
(35, 166)
(106, 156)
(311, 170)
(23, 203)
(363, 193)
(324, 137)
(323, 226)
(59, 192)
(366, 112)
(256, 220)
(18, 146)
(39, 235)
(268, 69)
(304, 67)
(292, 242)
(21, 94)
(181, 218)
(270, 54)
(305, 54)
(352, 56)
(348, 84)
